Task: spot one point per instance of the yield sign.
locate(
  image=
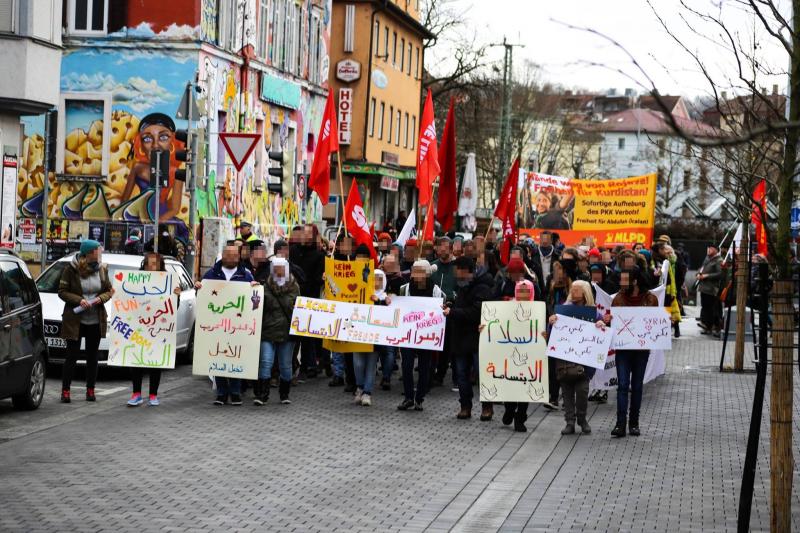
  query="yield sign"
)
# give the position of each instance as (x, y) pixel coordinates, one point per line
(239, 146)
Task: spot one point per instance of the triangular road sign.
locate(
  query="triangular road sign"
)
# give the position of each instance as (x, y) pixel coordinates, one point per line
(239, 146)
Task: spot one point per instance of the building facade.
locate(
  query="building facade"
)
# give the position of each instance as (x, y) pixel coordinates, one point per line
(377, 61)
(30, 59)
(251, 66)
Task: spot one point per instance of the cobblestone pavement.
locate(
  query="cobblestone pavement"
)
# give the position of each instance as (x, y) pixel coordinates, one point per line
(323, 464)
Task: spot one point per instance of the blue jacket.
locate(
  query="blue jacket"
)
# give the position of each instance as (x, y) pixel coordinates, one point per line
(241, 274)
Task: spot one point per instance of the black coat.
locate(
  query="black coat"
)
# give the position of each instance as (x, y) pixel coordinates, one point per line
(465, 314)
(311, 262)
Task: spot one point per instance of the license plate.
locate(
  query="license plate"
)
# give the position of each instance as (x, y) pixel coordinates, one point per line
(56, 342)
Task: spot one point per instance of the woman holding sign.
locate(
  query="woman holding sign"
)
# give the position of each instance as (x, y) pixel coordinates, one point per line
(574, 378)
(631, 364)
(153, 262)
(517, 412)
(84, 287)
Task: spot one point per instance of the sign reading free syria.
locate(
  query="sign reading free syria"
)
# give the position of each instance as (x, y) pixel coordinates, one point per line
(142, 320)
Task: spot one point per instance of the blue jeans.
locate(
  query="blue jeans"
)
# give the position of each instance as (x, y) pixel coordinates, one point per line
(364, 365)
(631, 365)
(464, 365)
(226, 386)
(424, 365)
(337, 363)
(268, 351)
(388, 355)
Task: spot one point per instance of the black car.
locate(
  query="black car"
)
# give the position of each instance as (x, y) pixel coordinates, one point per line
(23, 351)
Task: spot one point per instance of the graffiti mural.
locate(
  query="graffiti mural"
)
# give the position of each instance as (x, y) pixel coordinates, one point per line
(145, 87)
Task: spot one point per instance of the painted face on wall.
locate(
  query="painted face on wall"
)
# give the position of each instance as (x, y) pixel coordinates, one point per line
(156, 137)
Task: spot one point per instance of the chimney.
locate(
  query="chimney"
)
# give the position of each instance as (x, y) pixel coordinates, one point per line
(775, 89)
(764, 91)
(724, 95)
(568, 92)
(612, 92)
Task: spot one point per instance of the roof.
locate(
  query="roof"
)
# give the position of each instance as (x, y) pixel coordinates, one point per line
(649, 121)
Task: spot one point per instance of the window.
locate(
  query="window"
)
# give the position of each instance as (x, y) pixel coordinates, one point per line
(380, 124)
(314, 51)
(410, 48)
(17, 286)
(405, 135)
(394, 48)
(372, 118)
(88, 17)
(687, 179)
(391, 124)
(228, 16)
(413, 132)
(621, 143)
(416, 66)
(403, 54)
(386, 43)
(662, 147)
(263, 28)
(7, 17)
(376, 36)
(278, 29)
(397, 130)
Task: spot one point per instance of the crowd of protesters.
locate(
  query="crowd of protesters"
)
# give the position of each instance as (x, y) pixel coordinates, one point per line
(463, 273)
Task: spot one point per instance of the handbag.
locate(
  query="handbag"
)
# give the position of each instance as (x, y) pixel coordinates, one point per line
(570, 372)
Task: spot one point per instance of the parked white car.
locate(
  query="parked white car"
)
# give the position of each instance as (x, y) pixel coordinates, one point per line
(53, 306)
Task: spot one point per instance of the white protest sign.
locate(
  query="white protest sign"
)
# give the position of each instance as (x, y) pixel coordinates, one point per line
(641, 328)
(142, 320)
(227, 333)
(410, 322)
(579, 341)
(512, 360)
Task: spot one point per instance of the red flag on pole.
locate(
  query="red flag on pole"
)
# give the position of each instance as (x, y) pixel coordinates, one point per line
(448, 195)
(427, 152)
(327, 142)
(357, 223)
(506, 211)
(427, 232)
(759, 207)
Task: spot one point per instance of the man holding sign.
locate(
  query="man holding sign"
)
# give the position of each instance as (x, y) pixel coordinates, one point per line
(631, 364)
(227, 269)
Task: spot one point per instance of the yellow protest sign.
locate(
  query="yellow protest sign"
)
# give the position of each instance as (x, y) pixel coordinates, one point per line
(352, 282)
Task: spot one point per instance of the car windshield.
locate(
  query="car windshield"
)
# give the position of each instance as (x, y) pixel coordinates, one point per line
(48, 282)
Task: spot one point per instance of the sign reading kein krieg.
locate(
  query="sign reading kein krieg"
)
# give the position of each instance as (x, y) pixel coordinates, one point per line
(228, 329)
(512, 358)
(142, 321)
(410, 322)
(352, 282)
(617, 211)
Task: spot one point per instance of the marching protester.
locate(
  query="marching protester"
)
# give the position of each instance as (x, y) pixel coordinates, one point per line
(445, 278)
(574, 378)
(388, 354)
(631, 364)
(465, 312)
(280, 292)
(365, 363)
(708, 288)
(85, 288)
(558, 288)
(421, 284)
(517, 412)
(228, 268)
(310, 260)
(153, 262)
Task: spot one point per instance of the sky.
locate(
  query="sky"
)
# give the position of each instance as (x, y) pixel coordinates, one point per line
(566, 55)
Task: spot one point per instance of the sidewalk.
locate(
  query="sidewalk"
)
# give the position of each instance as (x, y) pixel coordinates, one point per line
(323, 464)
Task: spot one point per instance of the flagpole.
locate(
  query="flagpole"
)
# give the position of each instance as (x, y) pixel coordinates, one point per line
(488, 229)
(434, 186)
(341, 202)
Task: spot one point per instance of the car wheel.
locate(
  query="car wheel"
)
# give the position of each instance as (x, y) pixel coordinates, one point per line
(34, 389)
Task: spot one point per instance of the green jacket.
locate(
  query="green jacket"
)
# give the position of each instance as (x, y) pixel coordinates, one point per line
(712, 268)
(445, 278)
(69, 290)
(278, 307)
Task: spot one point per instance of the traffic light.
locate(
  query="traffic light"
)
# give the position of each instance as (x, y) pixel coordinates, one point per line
(282, 171)
(185, 155)
(159, 168)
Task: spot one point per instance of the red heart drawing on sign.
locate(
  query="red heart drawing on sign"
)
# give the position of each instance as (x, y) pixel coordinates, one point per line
(118, 276)
(352, 287)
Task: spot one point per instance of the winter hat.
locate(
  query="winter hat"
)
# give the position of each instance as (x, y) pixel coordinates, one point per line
(379, 274)
(384, 235)
(424, 263)
(280, 281)
(515, 266)
(411, 242)
(88, 246)
(594, 252)
(520, 285)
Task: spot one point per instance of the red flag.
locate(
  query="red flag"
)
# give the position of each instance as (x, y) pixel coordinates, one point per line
(356, 220)
(427, 232)
(427, 153)
(448, 196)
(759, 207)
(327, 142)
(506, 211)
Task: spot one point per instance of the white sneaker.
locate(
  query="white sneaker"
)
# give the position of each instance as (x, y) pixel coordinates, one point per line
(454, 389)
(366, 400)
(357, 397)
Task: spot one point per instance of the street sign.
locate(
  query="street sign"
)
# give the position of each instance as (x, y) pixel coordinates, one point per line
(239, 146)
(348, 70)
